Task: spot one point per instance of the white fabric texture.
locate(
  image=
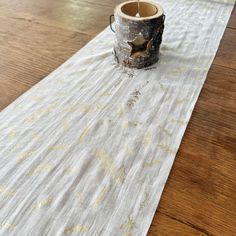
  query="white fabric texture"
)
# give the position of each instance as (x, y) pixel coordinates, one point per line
(88, 150)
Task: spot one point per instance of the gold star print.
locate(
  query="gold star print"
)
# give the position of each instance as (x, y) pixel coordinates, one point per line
(108, 166)
(7, 225)
(7, 192)
(128, 226)
(147, 139)
(76, 229)
(151, 164)
(43, 203)
(83, 134)
(144, 203)
(131, 224)
(101, 196)
(23, 156)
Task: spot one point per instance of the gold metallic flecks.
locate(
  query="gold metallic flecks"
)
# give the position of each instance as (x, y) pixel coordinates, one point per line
(151, 164)
(12, 133)
(182, 122)
(145, 201)
(7, 192)
(163, 130)
(85, 108)
(39, 169)
(200, 68)
(109, 168)
(35, 114)
(100, 197)
(121, 175)
(179, 101)
(147, 139)
(56, 148)
(106, 160)
(83, 134)
(76, 229)
(166, 148)
(81, 199)
(48, 109)
(31, 117)
(71, 108)
(25, 155)
(71, 169)
(128, 226)
(43, 203)
(132, 123)
(120, 111)
(177, 70)
(7, 225)
(105, 94)
(65, 125)
(99, 107)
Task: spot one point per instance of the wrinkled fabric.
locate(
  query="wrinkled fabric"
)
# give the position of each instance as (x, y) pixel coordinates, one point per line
(88, 150)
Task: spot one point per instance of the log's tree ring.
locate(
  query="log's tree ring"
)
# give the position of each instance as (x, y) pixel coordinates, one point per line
(138, 39)
(148, 10)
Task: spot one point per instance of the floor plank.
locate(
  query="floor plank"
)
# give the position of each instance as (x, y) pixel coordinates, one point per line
(226, 55)
(166, 225)
(78, 16)
(232, 20)
(201, 188)
(28, 57)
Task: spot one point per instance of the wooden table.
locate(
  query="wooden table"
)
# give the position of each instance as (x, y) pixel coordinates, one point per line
(36, 36)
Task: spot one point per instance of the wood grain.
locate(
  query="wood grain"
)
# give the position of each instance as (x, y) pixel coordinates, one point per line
(226, 55)
(232, 20)
(199, 198)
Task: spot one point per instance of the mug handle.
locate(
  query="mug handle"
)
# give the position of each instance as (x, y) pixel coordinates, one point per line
(111, 23)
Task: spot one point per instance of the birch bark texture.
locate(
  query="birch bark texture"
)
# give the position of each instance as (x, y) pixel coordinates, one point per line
(138, 33)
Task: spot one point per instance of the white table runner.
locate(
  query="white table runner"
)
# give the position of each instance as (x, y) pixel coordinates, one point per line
(87, 151)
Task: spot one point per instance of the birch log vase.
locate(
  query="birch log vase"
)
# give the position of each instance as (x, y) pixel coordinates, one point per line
(138, 33)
